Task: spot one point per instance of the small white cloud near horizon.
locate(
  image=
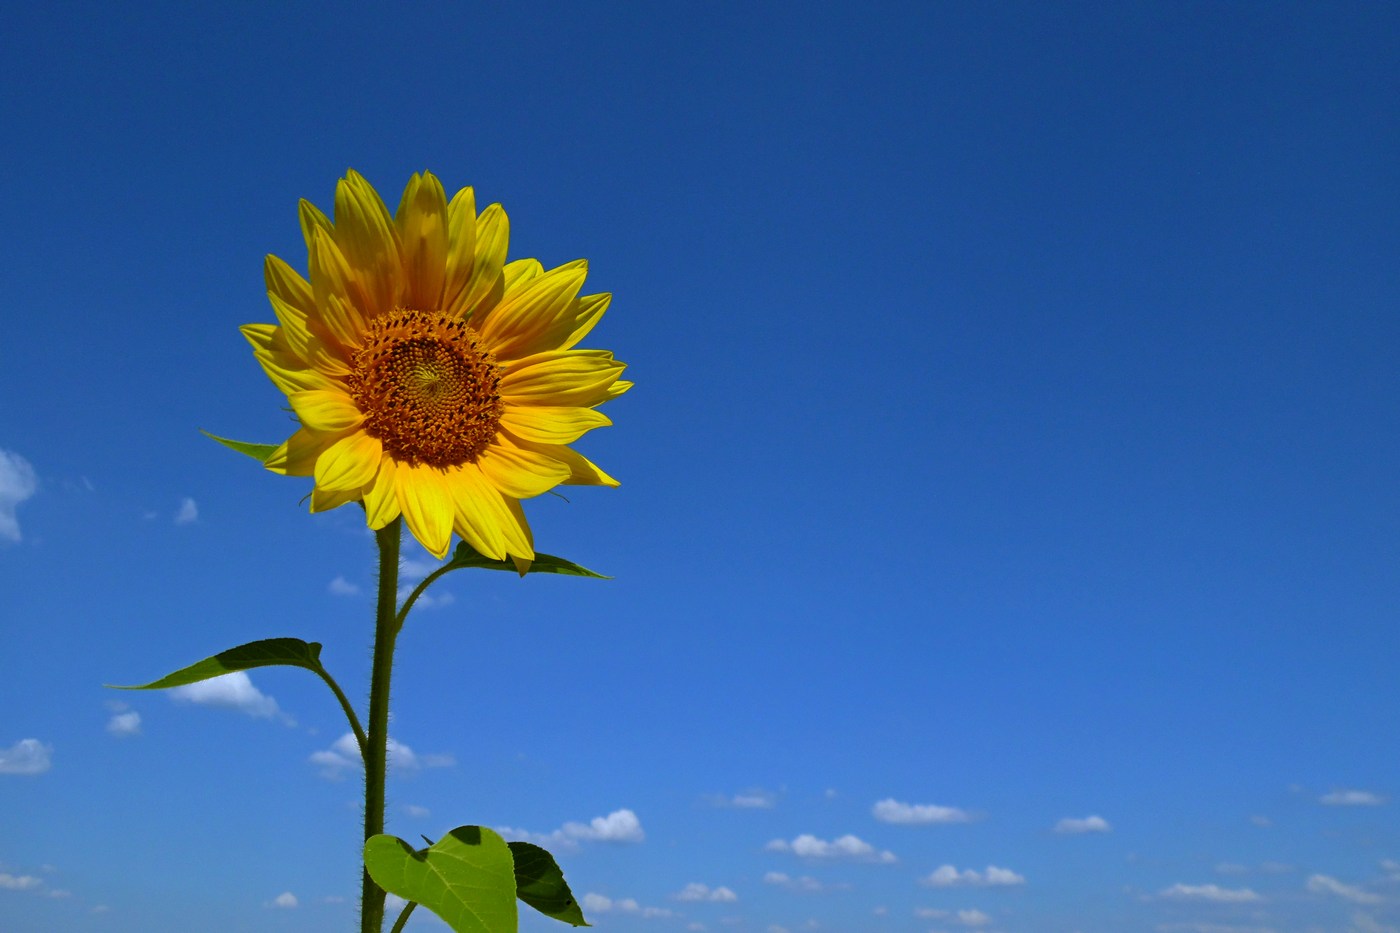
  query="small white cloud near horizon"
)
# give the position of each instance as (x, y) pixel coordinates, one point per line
(618, 826)
(1210, 892)
(846, 847)
(27, 756)
(235, 691)
(756, 799)
(973, 918)
(344, 756)
(19, 882)
(695, 891)
(284, 901)
(1325, 884)
(1351, 798)
(947, 876)
(123, 725)
(342, 587)
(890, 810)
(18, 482)
(1071, 825)
(601, 904)
(189, 512)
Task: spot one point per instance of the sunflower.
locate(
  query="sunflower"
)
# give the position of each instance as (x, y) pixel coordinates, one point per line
(433, 379)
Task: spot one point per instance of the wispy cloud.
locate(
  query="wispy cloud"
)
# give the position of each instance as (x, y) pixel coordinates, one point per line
(846, 847)
(123, 725)
(342, 587)
(344, 756)
(187, 513)
(284, 901)
(19, 882)
(893, 811)
(947, 876)
(801, 883)
(1071, 825)
(756, 799)
(617, 826)
(1352, 798)
(415, 811)
(600, 904)
(27, 756)
(18, 482)
(231, 691)
(1325, 884)
(695, 891)
(1210, 892)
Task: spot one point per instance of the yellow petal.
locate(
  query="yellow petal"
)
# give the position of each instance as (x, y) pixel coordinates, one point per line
(286, 283)
(561, 378)
(533, 317)
(422, 222)
(549, 425)
(520, 473)
(326, 410)
(485, 287)
(426, 500)
(582, 471)
(297, 454)
(350, 463)
(461, 246)
(381, 497)
(341, 297)
(619, 388)
(323, 500)
(478, 508)
(520, 271)
(522, 563)
(311, 220)
(365, 233)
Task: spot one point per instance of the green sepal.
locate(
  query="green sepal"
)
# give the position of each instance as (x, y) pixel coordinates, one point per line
(292, 652)
(259, 452)
(540, 883)
(468, 556)
(467, 877)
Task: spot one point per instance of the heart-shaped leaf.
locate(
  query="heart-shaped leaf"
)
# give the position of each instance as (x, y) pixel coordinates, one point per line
(540, 883)
(292, 652)
(259, 452)
(468, 556)
(467, 877)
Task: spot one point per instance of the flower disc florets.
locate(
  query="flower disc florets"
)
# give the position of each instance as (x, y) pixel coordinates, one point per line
(428, 389)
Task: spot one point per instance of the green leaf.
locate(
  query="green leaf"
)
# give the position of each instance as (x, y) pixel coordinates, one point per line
(467, 877)
(292, 652)
(259, 452)
(468, 556)
(540, 883)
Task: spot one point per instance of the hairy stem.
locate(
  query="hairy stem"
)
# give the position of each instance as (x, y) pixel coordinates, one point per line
(386, 630)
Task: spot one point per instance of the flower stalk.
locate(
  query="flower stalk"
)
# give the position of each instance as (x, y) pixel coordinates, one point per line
(386, 629)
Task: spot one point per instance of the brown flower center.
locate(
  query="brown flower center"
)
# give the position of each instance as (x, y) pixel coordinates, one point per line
(428, 389)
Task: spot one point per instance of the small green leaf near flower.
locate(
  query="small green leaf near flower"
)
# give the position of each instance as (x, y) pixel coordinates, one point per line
(291, 652)
(467, 877)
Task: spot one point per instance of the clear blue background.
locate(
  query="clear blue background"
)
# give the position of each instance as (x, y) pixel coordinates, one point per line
(1014, 431)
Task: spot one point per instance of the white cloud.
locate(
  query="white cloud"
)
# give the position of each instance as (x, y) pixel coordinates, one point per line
(344, 755)
(231, 691)
(1090, 824)
(1210, 892)
(125, 724)
(342, 587)
(427, 600)
(286, 900)
(1365, 923)
(416, 811)
(757, 799)
(600, 904)
(973, 918)
(846, 847)
(58, 893)
(695, 891)
(946, 876)
(1263, 822)
(1391, 868)
(19, 882)
(1352, 798)
(802, 883)
(188, 512)
(27, 756)
(618, 826)
(17, 483)
(893, 811)
(1324, 884)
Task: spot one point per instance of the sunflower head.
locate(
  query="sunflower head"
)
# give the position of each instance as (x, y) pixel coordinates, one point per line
(433, 379)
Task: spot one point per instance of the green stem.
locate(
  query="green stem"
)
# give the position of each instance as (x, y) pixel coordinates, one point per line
(403, 917)
(345, 705)
(417, 590)
(377, 738)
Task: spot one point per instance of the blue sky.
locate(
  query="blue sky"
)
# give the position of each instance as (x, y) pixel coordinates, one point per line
(1008, 525)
